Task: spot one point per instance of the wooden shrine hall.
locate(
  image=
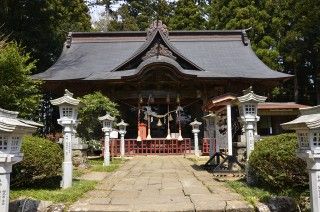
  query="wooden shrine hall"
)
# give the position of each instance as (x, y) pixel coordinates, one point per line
(161, 79)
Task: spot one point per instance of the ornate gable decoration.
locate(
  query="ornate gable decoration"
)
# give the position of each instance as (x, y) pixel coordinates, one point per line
(157, 25)
(159, 49)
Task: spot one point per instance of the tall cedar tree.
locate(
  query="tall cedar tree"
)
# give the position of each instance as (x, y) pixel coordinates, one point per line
(284, 34)
(42, 25)
(138, 14)
(188, 15)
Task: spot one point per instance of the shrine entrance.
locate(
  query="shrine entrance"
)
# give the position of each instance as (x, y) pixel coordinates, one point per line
(159, 102)
(159, 106)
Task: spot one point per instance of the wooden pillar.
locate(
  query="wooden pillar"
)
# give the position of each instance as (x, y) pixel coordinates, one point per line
(229, 129)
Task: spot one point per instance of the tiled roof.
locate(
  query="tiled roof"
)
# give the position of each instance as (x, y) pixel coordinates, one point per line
(204, 54)
(280, 105)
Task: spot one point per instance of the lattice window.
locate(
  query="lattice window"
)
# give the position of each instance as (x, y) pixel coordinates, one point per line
(316, 139)
(303, 140)
(67, 112)
(15, 144)
(3, 143)
(250, 109)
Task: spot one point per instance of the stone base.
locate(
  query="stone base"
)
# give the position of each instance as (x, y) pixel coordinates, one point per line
(239, 149)
(79, 155)
(31, 205)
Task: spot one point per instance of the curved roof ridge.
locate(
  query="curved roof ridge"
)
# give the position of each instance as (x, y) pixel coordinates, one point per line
(144, 46)
(176, 51)
(159, 60)
(148, 43)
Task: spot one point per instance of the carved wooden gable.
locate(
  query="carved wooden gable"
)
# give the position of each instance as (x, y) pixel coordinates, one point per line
(159, 49)
(157, 44)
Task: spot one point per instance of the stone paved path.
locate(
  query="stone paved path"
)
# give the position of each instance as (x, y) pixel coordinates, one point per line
(164, 183)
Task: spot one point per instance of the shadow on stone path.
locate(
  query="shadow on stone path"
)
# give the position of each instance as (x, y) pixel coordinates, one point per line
(160, 183)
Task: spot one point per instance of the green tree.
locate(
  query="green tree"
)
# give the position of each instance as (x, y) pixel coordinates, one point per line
(136, 15)
(284, 34)
(244, 14)
(18, 92)
(188, 15)
(42, 26)
(300, 48)
(95, 105)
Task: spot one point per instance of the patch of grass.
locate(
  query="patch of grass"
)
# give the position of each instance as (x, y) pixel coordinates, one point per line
(55, 194)
(192, 159)
(251, 194)
(96, 165)
(255, 194)
(78, 172)
(49, 189)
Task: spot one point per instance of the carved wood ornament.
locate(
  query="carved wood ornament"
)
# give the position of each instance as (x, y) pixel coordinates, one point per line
(159, 49)
(157, 25)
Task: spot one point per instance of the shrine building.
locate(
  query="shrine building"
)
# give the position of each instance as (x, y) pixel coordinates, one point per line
(174, 73)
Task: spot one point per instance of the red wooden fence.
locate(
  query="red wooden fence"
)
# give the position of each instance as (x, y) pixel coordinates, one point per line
(206, 145)
(156, 146)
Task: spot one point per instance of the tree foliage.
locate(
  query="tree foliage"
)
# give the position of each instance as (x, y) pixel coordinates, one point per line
(42, 26)
(284, 34)
(193, 11)
(18, 91)
(95, 105)
(134, 15)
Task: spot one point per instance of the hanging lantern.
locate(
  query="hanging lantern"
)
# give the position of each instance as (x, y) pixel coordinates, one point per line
(151, 119)
(140, 99)
(159, 124)
(168, 99)
(178, 99)
(170, 117)
(151, 98)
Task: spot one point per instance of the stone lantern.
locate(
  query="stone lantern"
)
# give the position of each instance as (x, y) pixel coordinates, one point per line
(12, 129)
(68, 109)
(307, 128)
(195, 130)
(248, 104)
(107, 123)
(122, 130)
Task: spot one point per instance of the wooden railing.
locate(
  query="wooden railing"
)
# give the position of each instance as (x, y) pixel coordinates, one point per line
(151, 147)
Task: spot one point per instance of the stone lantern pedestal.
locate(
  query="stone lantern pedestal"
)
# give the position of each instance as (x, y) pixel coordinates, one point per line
(313, 166)
(307, 127)
(12, 129)
(248, 104)
(195, 130)
(122, 130)
(68, 108)
(107, 122)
